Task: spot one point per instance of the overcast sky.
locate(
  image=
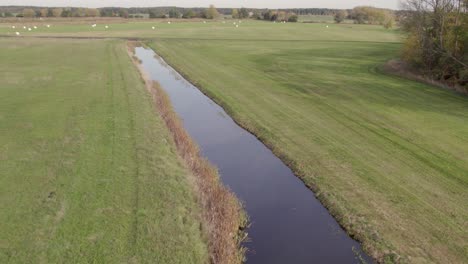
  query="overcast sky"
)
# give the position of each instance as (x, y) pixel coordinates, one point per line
(201, 3)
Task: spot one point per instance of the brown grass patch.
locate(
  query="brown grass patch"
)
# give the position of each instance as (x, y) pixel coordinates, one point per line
(223, 216)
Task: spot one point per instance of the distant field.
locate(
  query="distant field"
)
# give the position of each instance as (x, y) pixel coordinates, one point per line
(88, 171)
(212, 30)
(388, 156)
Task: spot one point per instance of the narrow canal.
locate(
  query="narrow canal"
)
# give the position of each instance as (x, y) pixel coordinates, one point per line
(288, 224)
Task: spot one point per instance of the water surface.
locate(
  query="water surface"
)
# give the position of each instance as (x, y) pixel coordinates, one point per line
(288, 224)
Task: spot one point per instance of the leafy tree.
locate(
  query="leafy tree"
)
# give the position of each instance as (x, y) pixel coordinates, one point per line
(28, 12)
(66, 13)
(243, 13)
(211, 12)
(44, 12)
(154, 14)
(235, 13)
(257, 15)
(57, 12)
(437, 39)
(359, 15)
(389, 20)
(92, 12)
(123, 13)
(268, 15)
(189, 14)
(372, 15)
(282, 16)
(293, 18)
(340, 16)
(8, 14)
(106, 13)
(78, 12)
(173, 13)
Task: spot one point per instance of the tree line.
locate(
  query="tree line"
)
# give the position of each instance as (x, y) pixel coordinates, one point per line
(52, 12)
(437, 39)
(280, 16)
(367, 15)
(154, 12)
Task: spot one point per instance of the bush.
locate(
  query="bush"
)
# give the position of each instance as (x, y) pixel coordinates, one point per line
(293, 18)
(189, 14)
(340, 16)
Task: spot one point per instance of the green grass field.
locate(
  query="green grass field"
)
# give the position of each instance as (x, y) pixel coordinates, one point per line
(212, 30)
(88, 171)
(386, 155)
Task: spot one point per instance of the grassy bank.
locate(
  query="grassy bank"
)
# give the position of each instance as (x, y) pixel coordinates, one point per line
(386, 155)
(89, 172)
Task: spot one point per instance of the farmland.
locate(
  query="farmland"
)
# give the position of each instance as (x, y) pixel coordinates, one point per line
(89, 173)
(387, 156)
(215, 30)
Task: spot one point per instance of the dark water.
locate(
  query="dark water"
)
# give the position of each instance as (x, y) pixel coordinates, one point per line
(288, 224)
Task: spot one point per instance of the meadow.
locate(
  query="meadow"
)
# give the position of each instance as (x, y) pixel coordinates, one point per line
(187, 29)
(89, 172)
(387, 156)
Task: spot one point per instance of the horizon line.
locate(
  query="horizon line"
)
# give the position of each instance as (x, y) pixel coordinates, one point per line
(193, 7)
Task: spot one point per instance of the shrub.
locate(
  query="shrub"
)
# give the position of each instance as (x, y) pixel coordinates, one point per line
(340, 16)
(293, 18)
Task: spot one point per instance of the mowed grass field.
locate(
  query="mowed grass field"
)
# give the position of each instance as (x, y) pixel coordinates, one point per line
(88, 170)
(388, 156)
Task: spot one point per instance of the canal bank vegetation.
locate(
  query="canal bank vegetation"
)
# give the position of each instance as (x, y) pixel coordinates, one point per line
(88, 172)
(387, 156)
(223, 217)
